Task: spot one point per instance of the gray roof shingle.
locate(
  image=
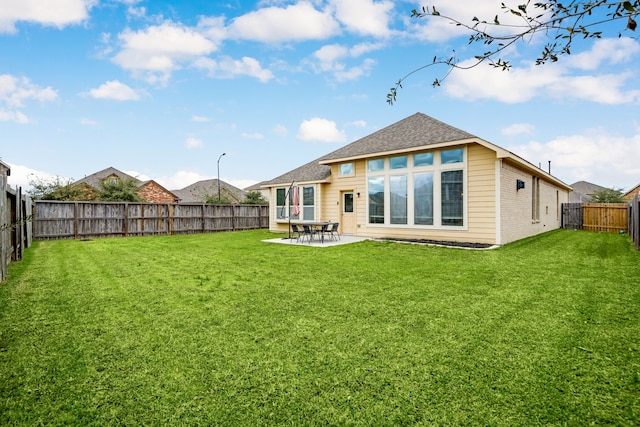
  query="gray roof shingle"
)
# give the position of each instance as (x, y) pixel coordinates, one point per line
(414, 131)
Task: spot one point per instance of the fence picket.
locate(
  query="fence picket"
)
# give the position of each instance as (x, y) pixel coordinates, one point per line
(83, 220)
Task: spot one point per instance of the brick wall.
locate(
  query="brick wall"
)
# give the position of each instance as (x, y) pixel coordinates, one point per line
(155, 193)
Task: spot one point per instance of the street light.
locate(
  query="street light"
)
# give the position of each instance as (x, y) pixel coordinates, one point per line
(223, 154)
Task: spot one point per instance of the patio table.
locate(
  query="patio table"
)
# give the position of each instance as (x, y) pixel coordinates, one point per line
(317, 227)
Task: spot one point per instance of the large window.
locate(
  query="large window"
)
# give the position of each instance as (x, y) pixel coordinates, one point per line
(284, 203)
(423, 189)
(398, 202)
(376, 200)
(423, 198)
(451, 194)
(308, 203)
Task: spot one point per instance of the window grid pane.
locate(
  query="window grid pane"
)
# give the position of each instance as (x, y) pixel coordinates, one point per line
(398, 199)
(399, 162)
(376, 200)
(423, 198)
(452, 205)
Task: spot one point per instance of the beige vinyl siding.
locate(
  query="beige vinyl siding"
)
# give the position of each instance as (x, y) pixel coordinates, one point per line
(331, 201)
(481, 189)
(480, 224)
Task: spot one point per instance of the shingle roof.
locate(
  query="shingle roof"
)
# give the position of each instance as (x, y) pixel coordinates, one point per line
(582, 191)
(95, 179)
(414, 131)
(198, 192)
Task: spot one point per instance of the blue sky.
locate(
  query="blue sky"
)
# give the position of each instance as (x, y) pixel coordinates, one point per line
(161, 89)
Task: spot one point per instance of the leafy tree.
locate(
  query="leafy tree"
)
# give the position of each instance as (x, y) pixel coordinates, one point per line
(608, 195)
(121, 190)
(213, 199)
(563, 23)
(57, 188)
(255, 198)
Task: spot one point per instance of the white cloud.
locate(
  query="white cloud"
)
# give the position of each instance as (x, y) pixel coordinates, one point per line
(192, 143)
(114, 90)
(595, 156)
(59, 13)
(296, 22)
(318, 129)
(88, 122)
(364, 17)
(610, 51)
(13, 116)
(439, 28)
(155, 52)
(518, 129)
(200, 119)
(255, 135)
(21, 176)
(331, 58)
(358, 124)
(554, 80)
(15, 91)
(226, 68)
(280, 130)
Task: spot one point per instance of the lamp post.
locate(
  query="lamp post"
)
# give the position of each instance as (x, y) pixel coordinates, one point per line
(223, 154)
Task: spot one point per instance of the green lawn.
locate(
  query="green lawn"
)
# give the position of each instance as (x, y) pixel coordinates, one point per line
(222, 329)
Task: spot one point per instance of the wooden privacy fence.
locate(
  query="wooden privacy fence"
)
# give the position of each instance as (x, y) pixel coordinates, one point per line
(15, 225)
(84, 220)
(610, 217)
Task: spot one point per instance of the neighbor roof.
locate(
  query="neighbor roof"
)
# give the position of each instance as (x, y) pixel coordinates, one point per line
(95, 179)
(582, 191)
(197, 192)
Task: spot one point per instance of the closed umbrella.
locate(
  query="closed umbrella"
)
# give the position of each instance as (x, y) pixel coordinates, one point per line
(295, 195)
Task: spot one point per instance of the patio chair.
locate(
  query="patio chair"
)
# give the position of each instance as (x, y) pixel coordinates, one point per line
(298, 231)
(309, 232)
(332, 231)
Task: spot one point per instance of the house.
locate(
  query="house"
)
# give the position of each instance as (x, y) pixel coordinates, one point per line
(422, 179)
(149, 191)
(208, 188)
(629, 195)
(264, 192)
(583, 191)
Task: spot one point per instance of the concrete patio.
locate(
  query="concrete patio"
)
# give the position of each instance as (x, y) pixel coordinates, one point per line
(344, 240)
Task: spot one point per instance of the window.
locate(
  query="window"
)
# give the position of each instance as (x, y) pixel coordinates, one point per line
(308, 203)
(452, 156)
(452, 202)
(347, 206)
(376, 200)
(423, 198)
(375, 165)
(346, 169)
(280, 203)
(284, 203)
(398, 199)
(430, 193)
(535, 199)
(399, 162)
(423, 159)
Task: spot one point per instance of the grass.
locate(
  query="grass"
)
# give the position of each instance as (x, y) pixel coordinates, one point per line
(222, 329)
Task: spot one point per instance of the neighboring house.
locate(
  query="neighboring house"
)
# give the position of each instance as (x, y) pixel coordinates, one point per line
(583, 191)
(149, 191)
(421, 179)
(258, 187)
(198, 192)
(628, 196)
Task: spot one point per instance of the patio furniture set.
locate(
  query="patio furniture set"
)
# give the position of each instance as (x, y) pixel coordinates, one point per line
(318, 231)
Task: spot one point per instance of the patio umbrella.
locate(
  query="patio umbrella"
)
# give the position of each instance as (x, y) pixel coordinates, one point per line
(295, 195)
